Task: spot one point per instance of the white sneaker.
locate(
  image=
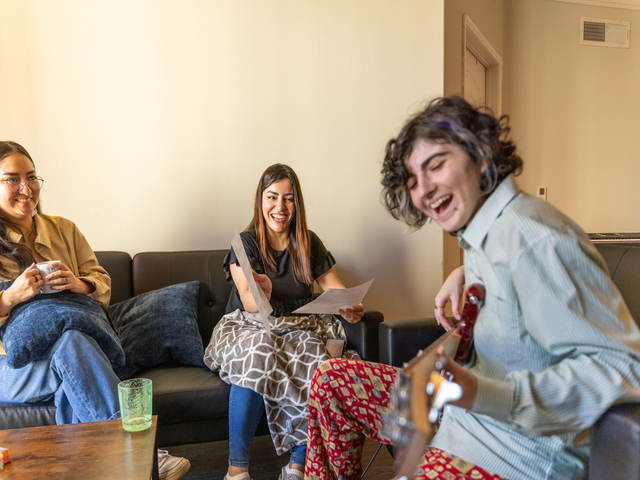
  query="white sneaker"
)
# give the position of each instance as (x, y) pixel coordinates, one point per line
(290, 474)
(240, 476)
(170, 467)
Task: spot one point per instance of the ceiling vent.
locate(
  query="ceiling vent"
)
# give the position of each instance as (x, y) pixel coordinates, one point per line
(604, 33)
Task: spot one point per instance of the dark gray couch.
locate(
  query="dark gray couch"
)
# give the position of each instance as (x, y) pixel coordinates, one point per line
(615, 450)
(191, 402)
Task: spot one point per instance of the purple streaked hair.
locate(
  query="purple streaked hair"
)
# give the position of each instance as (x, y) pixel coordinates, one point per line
(452, 120)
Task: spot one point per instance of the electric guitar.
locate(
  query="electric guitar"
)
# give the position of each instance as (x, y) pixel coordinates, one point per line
(423, 387)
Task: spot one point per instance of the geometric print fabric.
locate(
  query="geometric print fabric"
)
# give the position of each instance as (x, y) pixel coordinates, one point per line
(278, 366)
(347, 401)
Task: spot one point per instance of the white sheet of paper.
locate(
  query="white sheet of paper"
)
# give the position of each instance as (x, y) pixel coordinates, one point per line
(334, 298)
(334, 347)
(264, 307)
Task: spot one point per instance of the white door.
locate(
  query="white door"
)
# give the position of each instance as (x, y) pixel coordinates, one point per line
(475, 80)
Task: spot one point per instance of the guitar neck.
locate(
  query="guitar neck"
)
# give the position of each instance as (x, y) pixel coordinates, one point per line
(430, 350)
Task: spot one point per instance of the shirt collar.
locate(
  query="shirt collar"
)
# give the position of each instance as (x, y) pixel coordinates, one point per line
(42, 234)
(479, 226)
(14, 237)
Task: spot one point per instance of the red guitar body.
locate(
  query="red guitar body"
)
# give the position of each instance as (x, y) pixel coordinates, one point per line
(473, 302)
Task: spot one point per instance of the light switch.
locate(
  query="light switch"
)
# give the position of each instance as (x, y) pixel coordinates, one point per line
(542, 193)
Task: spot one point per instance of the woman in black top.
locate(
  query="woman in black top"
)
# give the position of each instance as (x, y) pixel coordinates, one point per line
(275, 370)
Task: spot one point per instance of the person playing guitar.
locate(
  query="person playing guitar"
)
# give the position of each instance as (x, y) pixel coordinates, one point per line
(554, 344)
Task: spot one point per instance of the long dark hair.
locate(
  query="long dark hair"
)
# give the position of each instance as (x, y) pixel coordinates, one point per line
(21, 255)
(452, 120)
(299, 239)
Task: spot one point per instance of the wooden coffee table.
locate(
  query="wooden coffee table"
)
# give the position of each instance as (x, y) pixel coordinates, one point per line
(96, 450)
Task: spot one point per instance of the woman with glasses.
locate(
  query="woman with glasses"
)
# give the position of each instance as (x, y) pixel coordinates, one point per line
(74, 371)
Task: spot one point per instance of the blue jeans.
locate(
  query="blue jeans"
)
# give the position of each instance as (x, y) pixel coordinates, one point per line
(74, 372)
(245, 411)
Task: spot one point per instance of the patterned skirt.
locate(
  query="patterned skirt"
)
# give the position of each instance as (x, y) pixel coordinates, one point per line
(278, 366)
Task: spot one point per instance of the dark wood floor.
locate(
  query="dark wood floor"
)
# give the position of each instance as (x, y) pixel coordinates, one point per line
(209, 460)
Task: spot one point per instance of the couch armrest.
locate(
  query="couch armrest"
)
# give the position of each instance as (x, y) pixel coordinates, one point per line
(363, 336)
(400, 340)
(615, 444)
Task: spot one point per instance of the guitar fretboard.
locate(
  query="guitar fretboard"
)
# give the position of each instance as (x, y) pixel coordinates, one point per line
(433, 346)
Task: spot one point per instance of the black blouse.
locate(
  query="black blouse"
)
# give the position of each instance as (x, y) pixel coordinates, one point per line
(287, 294)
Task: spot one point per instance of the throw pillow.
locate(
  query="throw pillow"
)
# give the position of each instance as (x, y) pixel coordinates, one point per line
(159, 326)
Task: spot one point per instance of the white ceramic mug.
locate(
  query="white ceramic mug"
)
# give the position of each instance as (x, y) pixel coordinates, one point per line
(45, 269)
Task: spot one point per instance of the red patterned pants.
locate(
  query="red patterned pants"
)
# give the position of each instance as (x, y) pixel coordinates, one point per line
(346, 402)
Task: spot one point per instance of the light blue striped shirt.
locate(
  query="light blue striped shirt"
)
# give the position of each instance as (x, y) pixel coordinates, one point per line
(555, 344)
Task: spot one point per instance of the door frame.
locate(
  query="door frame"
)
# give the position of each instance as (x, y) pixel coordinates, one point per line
(477, 44)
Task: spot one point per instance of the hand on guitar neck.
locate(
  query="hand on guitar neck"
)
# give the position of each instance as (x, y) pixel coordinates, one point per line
(454, 370)
(450, 292)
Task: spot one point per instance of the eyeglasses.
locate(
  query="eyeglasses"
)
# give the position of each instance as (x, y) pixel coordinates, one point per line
(15, 184)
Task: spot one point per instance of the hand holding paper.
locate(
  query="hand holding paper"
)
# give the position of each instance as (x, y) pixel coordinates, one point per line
(334, 299)
(352, 314)
(264, 283)
(264, 307)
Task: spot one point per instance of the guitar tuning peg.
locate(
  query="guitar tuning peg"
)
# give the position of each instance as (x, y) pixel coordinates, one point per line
(434, 383)
(441, 362)
(431, 389)
(434, 414)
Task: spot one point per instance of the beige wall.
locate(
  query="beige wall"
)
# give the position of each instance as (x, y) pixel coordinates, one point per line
(152, 120)
(575, 112)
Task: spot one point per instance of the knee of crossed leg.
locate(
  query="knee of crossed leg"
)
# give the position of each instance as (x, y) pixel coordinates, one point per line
(328, 371)
(74, 344)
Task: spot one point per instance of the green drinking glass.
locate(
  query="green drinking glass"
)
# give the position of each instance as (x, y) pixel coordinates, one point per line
(135, 397)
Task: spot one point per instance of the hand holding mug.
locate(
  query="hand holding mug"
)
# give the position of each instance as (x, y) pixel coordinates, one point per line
(25, 286)
(64, 279)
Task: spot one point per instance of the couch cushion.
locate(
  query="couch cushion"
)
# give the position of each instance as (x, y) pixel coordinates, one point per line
(186, 394)
(27, 415)
(159, 326)
(155, 270)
